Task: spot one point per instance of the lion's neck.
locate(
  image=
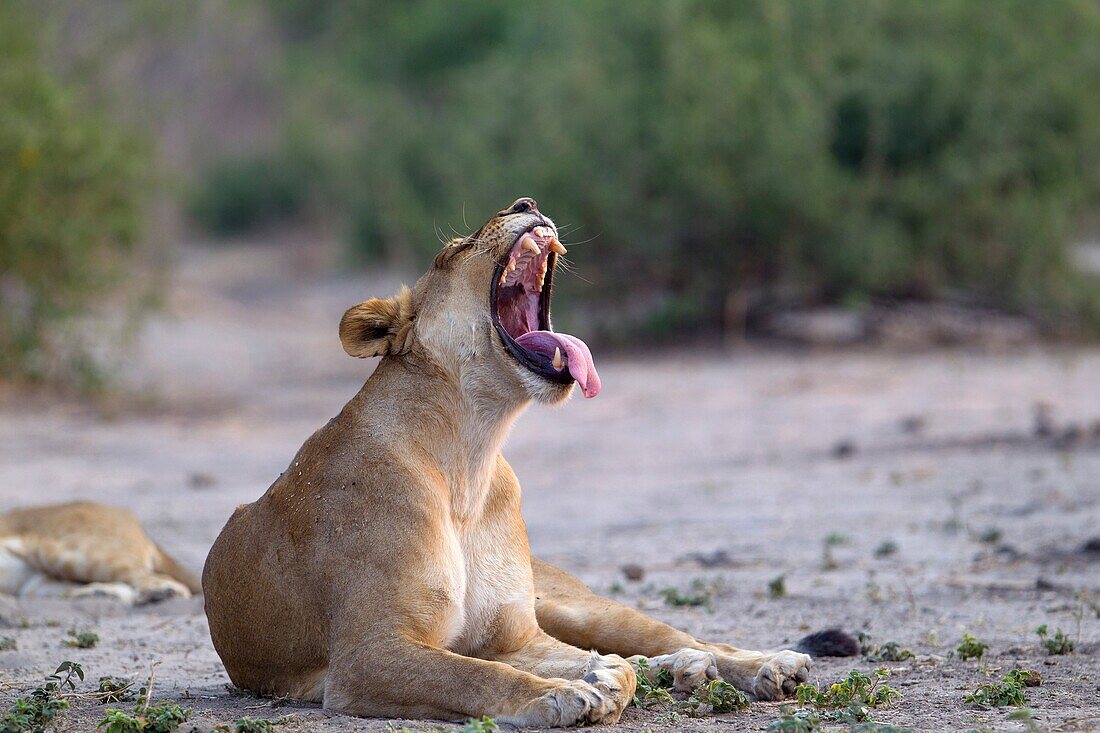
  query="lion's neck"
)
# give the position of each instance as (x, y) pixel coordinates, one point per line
(457, 421)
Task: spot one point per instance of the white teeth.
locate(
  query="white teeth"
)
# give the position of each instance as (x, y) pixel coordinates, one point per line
(557, 358)
(556, 246)
(530, 245)
(508, 270)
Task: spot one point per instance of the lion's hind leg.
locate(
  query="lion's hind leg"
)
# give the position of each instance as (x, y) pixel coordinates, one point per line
(97, 571)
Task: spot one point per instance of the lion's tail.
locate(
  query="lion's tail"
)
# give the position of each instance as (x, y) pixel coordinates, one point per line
(828, 643)
(167, 565)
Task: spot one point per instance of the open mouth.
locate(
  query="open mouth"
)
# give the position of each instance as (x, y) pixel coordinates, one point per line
(520, 303)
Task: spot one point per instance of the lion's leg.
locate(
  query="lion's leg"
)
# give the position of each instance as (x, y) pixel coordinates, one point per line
(568, 610)
(408, 679)
(96, 568)
(547, 657)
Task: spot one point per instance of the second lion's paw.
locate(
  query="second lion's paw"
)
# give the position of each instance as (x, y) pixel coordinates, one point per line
(780, 674)
(689, 668)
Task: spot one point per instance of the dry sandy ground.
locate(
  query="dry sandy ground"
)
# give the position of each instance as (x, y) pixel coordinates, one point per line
(682, 454)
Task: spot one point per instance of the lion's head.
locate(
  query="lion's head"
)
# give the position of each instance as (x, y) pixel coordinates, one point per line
(484, 303)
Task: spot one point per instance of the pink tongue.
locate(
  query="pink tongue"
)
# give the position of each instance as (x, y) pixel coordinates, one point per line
(578, 357)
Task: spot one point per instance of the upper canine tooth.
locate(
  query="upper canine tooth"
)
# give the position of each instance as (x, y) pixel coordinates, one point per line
(557, 358)
(529, 244)
(556, 246)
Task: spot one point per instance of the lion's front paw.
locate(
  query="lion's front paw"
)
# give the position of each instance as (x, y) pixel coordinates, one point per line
(689, 668)
(780, 674)
(575, 702)
(614, 677)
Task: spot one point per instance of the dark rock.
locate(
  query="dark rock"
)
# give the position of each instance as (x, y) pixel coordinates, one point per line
(716, 559)
(633, 571)
(844, 449)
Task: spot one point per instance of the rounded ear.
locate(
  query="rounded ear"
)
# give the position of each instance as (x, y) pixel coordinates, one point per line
(378, 326)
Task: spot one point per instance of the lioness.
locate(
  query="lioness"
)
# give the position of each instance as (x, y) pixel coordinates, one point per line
(86, 549)
(387, 571)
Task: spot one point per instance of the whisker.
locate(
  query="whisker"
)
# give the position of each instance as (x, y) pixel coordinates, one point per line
(582, 241)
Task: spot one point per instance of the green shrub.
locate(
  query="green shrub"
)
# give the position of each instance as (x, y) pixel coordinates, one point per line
(830, 150)
(81, 639)
(1058, 644)
(159, 718)
(71, 190)
(40, 708)
(237, 194)
(970, 648)
(1009, 691)
(253, 725)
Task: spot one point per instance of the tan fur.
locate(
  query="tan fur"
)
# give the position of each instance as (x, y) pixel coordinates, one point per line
(86, 549)
(387, 571)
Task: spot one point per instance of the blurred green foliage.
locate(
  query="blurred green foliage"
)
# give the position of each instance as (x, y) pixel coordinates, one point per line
(237, 194)
(70, 195)
(821, 150)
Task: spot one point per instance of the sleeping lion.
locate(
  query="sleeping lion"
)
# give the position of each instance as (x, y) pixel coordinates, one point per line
(387, 571)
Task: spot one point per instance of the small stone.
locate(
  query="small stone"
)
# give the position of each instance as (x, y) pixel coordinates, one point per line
(844, 449)
(201, 480)
(633, 571)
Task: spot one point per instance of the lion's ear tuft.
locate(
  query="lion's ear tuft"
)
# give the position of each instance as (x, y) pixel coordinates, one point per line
(378, 326)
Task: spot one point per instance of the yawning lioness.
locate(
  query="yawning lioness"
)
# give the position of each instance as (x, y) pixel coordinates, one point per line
(387, 571)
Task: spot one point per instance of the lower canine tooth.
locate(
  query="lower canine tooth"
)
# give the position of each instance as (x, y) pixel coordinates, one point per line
(557, 358)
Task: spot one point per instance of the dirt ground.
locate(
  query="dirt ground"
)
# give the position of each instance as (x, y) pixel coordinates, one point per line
(731, 467)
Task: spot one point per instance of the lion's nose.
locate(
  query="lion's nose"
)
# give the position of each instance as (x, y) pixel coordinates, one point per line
(524, 205)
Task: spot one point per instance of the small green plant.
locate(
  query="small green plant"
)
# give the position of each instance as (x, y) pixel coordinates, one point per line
(856, 688)
(777, 587)
(8, 644)
(482, 725)
(114, 689)
(850, 700)
(970, 648)
(1025, 716)
(40, 708)
(990, 536)
(162, 717)
(886, 549)
(254, 725)
(714, 696)
(1058, 644)
(891, 651)
(1009, 691)
(833, 539)
(795, 721)
(701, 593)
(651, 692)
(81, 640)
